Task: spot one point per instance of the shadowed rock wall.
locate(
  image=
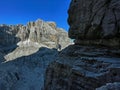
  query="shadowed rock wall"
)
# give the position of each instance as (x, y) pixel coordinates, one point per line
(95, 22)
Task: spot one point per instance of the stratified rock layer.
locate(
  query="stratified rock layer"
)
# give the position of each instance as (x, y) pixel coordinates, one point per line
(95, 22)
(26, 72)
(83, 68)
(26, 51)
(110, 86)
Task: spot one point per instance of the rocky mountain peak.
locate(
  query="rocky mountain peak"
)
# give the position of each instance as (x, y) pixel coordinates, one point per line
(26, 51)
(41, 32)
(92, 63)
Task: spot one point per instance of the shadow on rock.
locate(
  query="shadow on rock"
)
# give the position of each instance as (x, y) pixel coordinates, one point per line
(19, 74)
(8, 41)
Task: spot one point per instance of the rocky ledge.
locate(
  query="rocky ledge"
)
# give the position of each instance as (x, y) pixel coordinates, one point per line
(83, 68)
(23, 40)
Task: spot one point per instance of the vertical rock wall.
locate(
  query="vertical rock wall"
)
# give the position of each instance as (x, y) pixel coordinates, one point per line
(95, 22)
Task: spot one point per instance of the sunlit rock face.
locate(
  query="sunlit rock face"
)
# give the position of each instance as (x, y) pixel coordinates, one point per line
(93, 62)
(95, 22)
(39, 32)
(26, 51)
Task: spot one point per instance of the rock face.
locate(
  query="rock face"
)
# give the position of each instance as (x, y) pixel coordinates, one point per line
(20, 40)
(83, 68)
(26, 51)
(26, 72)
(95, 22)
(40, 32)
(91, 63)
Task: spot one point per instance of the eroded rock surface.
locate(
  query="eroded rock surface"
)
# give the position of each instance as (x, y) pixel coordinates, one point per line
(20, 40)
(39, 32)
(26, 51)
(94, 60)
(95, 22)
(83, 68)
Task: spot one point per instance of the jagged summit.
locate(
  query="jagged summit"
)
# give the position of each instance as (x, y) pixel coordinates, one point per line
(26, 51)
(22, 40)
(40, 32)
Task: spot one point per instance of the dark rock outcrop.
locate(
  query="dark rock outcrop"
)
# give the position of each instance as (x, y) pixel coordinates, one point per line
(91, 63)
(26, 51)
(83, 68)
(26, 72)
(20, 40)
(95, 22)
(110, 86)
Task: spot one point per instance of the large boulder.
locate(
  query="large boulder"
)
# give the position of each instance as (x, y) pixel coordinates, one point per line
(26, 51)
(95, 22)
(110, 86)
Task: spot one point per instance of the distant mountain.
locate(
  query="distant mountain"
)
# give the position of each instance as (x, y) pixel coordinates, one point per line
(26, 51)
(38, 32)
(23, 40)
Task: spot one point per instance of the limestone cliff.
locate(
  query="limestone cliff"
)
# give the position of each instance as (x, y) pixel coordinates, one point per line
(26, 51)
(40, 32)
(26, 72)
(20, 40)
(83, 68)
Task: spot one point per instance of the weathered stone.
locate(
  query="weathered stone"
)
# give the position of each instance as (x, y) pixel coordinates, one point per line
(89, 64)
(83, 68)
(95, 20)
(40, 32)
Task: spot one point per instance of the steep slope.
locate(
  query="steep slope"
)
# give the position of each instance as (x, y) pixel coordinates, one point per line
(27, 72)
(20, 40)
(83, 68)
(110, 86)
(94, 60)
(26, 51)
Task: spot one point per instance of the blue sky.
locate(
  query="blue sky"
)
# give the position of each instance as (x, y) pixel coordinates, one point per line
(22, 11)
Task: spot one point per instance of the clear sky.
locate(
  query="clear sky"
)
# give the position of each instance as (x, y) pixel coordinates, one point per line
(22, 11)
